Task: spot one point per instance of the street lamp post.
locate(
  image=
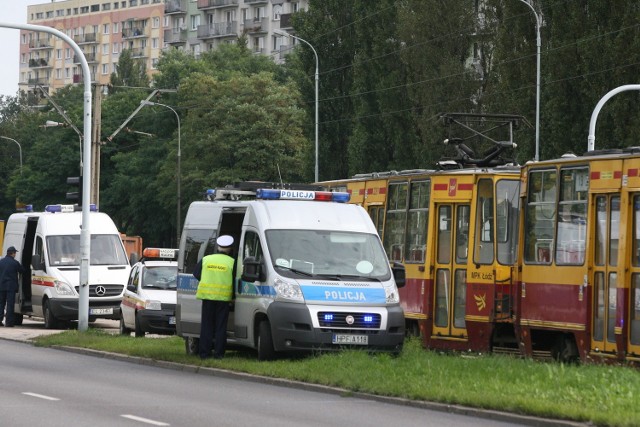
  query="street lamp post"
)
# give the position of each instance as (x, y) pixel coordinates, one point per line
(538, 43)
(178, 209)
(317, 78)
(19, 148)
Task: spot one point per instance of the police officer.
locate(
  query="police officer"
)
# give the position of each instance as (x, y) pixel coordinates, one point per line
(9, 269)
(215, 273)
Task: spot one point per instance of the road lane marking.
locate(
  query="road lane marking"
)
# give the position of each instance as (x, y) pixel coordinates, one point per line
(40, 396)
(145, 420)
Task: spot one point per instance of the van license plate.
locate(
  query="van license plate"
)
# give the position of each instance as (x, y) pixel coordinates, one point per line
(350, 339)
(96, 311)
(172, 320)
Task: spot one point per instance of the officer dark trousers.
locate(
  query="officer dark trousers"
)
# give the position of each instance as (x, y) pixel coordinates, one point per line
(213, 325)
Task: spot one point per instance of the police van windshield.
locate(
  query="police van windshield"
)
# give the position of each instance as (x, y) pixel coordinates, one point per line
(327, 254)
(106, 249)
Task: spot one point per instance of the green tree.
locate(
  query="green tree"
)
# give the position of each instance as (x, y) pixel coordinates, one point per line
(130, 72)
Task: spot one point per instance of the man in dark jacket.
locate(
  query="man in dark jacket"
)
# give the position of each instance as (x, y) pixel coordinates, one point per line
(9, 269)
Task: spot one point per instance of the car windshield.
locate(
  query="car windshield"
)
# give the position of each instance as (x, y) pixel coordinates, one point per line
(106, 249)
(330, 254)
(160, 277)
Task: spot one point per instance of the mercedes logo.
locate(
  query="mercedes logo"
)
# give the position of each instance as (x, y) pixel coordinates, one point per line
(101, 290)
(350, 320)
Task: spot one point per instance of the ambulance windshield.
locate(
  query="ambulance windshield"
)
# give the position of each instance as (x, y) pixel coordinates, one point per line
(106, 249)
(330, 254)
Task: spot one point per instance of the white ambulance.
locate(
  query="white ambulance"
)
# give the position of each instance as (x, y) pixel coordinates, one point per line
(311, 273)
(48, 245)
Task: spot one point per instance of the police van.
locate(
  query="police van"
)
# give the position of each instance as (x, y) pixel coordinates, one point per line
(48, 245)
(311, 272)
(149, 300)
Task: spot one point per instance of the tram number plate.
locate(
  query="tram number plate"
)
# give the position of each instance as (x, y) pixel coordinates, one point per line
(172, 320)
(96, 311)
(350, 339)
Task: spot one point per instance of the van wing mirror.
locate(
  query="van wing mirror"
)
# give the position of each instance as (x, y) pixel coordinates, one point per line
(36, 262)
(398, 274)
(253, 270)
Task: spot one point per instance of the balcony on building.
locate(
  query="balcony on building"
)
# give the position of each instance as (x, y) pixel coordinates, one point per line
(175, 35)
(134, 29)
(285, 21)
(78, 78)
(175, 7)
(253, 26)
(41, 43)
(38, 81)
(255, 1)
(90, 57)
(214, 4)
(217, 29)
(86, 38)
(138, 52)
(39, 63)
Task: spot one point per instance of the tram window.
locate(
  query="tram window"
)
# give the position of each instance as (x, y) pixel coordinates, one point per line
(396, 221)
(485, 218)
(614, 230)
(601, 231)
(417, 219)
(635, 310)
(636, 232)
(572, 218)
(507, 208)
(540, 217)
(377, 216)
(462, 233)
(444, 235)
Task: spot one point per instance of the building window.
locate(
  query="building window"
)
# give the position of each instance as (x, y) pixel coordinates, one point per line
(67, 53)
(116, 45)
(95, 8)
(60, 12)
(84, 9)
(133, 3)
(155, 22)
(105, 29)
(277, 11)
(67, 73)
(167, 21)
(116, 28)
(58, 53)
(105, 69)
(116, 5)
(105, 49)
(155, 42)
(50, 14)
(24, 39)
(154, 63)
(106, 6)
(23, 58)
(39, 15)
(195, 21)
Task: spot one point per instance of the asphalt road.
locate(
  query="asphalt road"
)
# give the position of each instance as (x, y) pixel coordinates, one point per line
(83, 387)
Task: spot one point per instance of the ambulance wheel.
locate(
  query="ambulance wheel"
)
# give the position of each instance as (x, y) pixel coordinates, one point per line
(265, 342)
(123, 329)
(192, 346)
(17, 319)
(138, 330)
(50, 321)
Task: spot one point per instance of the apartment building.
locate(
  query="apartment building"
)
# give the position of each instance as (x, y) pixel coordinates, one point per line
(103, 29)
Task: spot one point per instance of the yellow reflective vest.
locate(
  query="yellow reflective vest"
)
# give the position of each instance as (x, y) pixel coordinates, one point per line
(216, 278)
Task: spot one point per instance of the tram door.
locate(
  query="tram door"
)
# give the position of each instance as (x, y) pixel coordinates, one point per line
(452, 250)
(605, 260)
(634, 291)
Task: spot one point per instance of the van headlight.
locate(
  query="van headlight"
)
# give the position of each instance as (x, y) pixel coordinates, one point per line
(391, 293)
(152, 305)
(63, 288)
(289, 291)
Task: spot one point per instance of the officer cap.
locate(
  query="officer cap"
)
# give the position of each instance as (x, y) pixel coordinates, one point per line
(12, 250)
(224, 241)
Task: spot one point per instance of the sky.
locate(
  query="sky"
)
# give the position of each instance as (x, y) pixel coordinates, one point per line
(13, 13)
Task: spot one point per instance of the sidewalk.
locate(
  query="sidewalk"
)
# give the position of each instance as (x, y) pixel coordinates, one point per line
(34, 327)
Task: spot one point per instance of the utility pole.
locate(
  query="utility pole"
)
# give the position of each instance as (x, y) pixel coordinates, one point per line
(95, 147)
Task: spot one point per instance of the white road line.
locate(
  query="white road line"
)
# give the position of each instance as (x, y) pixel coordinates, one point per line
(145, 420)
(40, 396)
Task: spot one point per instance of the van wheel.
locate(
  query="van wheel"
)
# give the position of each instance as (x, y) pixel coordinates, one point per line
(265, 342)
(17, 319)
(138, 329)
(192, 346)
(123, 329)
(50, 321)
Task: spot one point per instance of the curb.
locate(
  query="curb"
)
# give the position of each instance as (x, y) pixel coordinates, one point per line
(434, 406)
